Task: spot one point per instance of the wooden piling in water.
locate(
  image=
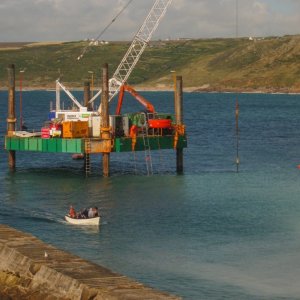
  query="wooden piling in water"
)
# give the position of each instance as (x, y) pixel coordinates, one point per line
(87, 95)
(105, 131)
(179, 120)
(11, 117)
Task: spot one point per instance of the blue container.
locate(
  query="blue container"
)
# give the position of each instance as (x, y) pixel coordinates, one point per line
(51, 115)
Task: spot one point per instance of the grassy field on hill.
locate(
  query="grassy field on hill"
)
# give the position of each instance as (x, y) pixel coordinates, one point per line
(268, 65)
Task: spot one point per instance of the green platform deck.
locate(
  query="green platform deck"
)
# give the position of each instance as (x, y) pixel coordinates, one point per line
(60, 145)
(44, 145)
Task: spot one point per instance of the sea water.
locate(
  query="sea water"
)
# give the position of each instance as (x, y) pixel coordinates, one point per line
(211, 233)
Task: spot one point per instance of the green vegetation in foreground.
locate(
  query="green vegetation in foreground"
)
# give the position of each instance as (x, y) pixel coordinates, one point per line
(269, 65)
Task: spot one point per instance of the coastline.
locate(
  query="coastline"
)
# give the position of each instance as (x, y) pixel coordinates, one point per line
(165, 88)
(220, 66)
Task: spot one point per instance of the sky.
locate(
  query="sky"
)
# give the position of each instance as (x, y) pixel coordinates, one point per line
(72, 20)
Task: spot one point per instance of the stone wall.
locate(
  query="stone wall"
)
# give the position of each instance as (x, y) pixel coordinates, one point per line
(31, 269)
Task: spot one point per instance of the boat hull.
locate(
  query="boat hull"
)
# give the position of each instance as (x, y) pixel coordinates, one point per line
(89, 221)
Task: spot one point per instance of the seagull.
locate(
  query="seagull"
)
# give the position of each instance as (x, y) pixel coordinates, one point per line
(46, 254)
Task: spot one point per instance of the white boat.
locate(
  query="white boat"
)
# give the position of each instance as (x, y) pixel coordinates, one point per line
(87, 221)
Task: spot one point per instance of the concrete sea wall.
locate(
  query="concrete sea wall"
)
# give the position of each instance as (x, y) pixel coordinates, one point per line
(32, 269)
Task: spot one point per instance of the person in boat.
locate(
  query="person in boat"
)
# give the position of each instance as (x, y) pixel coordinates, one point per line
(72, 212)
(84, 214)
(96, 211)
(93, 212)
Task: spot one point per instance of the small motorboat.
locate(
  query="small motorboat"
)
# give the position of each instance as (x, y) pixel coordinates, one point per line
(83, 221)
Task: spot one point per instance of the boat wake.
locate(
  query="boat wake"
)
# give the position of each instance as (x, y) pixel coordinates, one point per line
(40, 219)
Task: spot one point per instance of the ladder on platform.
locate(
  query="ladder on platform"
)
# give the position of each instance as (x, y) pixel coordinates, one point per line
(147, 149)
(87, 159)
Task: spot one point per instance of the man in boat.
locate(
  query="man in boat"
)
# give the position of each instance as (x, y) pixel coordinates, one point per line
(83, 214)
(93, 212)
(72, 212)
(96, 211)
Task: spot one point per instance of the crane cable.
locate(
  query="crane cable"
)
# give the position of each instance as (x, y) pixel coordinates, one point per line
(104, 30)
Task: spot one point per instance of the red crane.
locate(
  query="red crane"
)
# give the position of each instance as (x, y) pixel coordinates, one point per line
(149, 107)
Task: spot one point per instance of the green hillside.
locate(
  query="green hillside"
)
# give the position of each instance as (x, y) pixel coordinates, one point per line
(269, 65)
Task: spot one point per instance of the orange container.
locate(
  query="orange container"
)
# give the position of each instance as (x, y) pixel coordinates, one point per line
(75, 129)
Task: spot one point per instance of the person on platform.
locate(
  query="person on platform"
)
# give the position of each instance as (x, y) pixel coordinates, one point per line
(72, 212)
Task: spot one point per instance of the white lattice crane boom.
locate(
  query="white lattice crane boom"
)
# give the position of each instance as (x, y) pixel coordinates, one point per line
(137, 47)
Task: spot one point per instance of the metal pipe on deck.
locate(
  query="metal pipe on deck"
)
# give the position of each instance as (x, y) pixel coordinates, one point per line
(179, 120)
(105, 131)
(11, 117)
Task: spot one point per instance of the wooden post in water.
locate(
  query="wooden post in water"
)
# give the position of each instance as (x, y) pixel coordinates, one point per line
(87, 95)
(237, 131)
(105, 134)
(179, 121)
(11, 117)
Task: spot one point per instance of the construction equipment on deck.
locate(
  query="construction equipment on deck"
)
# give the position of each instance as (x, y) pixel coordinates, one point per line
(149, 107)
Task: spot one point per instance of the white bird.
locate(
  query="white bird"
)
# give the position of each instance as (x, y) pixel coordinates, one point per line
(46, 254)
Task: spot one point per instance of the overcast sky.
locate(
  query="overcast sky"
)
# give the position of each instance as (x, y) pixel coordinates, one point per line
(68, 20)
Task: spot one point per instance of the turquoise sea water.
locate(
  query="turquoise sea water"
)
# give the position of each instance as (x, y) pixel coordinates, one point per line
(208, 234)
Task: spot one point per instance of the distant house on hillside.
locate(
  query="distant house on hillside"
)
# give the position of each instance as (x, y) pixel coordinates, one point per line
(256, 39)
(94, 42)
(184, 39)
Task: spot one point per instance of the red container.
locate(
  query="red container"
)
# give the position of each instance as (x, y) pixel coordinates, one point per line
(55, 126)
(160, 123)
(45, 133)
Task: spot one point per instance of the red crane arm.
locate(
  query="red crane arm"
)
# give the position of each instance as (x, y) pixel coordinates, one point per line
(136, 95)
